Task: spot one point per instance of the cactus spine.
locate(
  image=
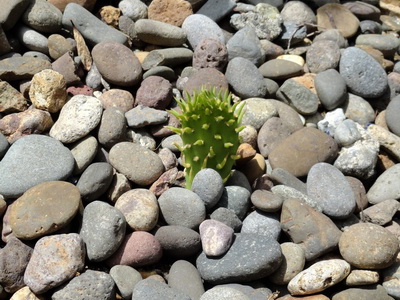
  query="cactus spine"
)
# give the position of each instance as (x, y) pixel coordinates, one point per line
(210, 128)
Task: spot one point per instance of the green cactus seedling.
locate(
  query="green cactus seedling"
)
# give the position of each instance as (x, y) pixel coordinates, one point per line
(210, 127)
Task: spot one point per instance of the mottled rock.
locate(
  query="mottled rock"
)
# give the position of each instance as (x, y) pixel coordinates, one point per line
(210, 53)
(362, 277)
(216, 237)
(155, 92)
(172, 12)
(18, 68)
(11, 100)
(257, 111)
(337, 16)
(119, 98)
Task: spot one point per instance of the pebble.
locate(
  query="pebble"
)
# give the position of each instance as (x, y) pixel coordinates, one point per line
(377, 292)
(172, 12)
(32, 39)
(48, 160)
(358, 109)
(316, 146)
(346, 133)
(66, 66)
(216, 10)
(266, 201)
(280, 69)
(381, 213)
(312, 230)
(281, 176)
(323, 55)
(121, 99)
(331, 88)
(112, 127)
(337, 16)
(83, 151)
(134, 9)
(43, 16)
(287, 192)
(228, 217)
(322, 182)
(157, 290)
(292, 264)
(14, 258)
(96, 284)
(384, 187)
(265, 19)
(366, 82)
(232, 268)
(362, 277)
(387, 44)
(368, 246)
(319, 276)
(183, 276)
(300, 13)
(245, 43)
(138, 249)
(208, 185)
(55, 260)
(58, 46)
(183, 207)
(271, 134)
(216, 237)
(257, 111)
(262, 223)
(223, 293)
(125, 278)
(210, 53)
(235, 198)
(102, 230)
(387, 140)
(111, 56)
(137, 163)
(159, 33)
(141, 116)
(11, 100)
(254, 168)
(11, 12)
(390, 116)
(119, 185)
(154, 92)
(92, 29)
(19, 68)
(4, 145)
(178, 241)
(205, 78)
(140, 209)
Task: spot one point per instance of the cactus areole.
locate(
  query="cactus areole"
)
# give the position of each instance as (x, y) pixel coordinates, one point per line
(210, 127)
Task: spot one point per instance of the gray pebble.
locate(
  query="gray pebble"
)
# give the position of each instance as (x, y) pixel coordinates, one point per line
(346, 133)
(134, 9)
(93, 77)
(223, 293)
(112, 128)
(271, 134)
(125, 278)
(43, 16)
(228, 217)
(236, 198)
(292, 33)
(281, 176)
(103, 229)
(280, 69)
(331, 88)
(183, 207)
(11, 12)
(32, 39)
(89, 285)
(391, 116)
(381, 213)
(359, 110)
(162, 71)
(287, 192)
(385, 186)
(156, 290)
(257, 111)
(208, 185)
(216, 9)
(266, 201)
(386, 43)
(323, 55)
(159, 33)
(4, 145)
(83, 151)
(48, 160)
(169, 57)
(369, 26)
(170, 141)
(239, 179)
(364, 76)
(36, 54)
(141, 116)
(300, 13)
(262, 223)
(333, 35)
(142, 137)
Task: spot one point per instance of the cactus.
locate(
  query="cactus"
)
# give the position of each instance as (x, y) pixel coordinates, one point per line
(210, 128)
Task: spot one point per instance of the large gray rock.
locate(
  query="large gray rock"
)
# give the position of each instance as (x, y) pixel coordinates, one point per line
(156, 290)
(385, 186)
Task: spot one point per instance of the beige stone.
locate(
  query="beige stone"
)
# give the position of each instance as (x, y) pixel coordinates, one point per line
(362, 277)
(172, 12)
(48, 91)
(337, 16)
(110, 15)
(293, 58)
(25, 294)
(10, 99)
(387, 140)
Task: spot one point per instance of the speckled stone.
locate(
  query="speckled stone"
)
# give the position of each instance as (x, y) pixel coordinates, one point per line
(43, 16)
(183, 276)
(11, 100)
(172, 12)
(119, 98)
(216, 237)
(257, 111)
(112, 127)
(266, 200)
(18, 68)
(323, 55)
(236, 198)
(210, 53)
(155, 92)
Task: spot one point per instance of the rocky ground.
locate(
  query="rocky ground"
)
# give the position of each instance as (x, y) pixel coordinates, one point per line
(92, 190)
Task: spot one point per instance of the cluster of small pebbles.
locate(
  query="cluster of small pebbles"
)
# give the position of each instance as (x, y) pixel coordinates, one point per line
(92, 189)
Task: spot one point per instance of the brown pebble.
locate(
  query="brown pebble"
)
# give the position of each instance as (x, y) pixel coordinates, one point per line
(119, 98)
(172, 12)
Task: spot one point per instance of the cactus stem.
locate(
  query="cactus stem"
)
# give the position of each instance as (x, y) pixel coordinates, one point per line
(240, 128)
(195, 117)
(223, 162)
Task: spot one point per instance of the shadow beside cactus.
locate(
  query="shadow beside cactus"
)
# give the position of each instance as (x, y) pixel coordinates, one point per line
(210, 127)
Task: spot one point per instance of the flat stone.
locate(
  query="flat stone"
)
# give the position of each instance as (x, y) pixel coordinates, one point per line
(308, 146)
(139, 164)
(125, 278)
(387, 44)
(266, 201)
(216, 9)
(358, 109)
(381, 213)
(134, 9)
(48, 160)
(83, 151)
(384, 187)
(55, 260)
(19, 68)
(102, 230)
(262, 223)
(157, 290)
(43, 16)
(362, 277)
(317, 234)
(280, 69)
(11, 100)
(373, 292)
(169, 57)
(368, 246)
(11, 12)
(66, 66)
(33, 40)
(231, 266)
(283, 177)
(216, 237)
(159, 33)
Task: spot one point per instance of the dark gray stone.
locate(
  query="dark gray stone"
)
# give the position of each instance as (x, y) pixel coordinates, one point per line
(112, 128)
(208, 185)
(228, 217)
(156, 290)
(236, 198)
(331, 88)
(370, 27)
(217, 9)
(169, 57)
(392, 115)
(263, 257)
(239, 179)
(48, 160)
(262, 223)
(293, 33)
(125, 278)
(281, 176)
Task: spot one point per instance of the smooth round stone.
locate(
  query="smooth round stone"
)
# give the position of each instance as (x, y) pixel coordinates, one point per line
(288, 115)
(178, 241)
(391, 115)
(245, 43)
(138, 249)
(377, 292)
(331, 88)
(301, 150)
(359, 110)
(134, 9)
(119, 185)
(119, 98)
(117, 63)
(292, 264)
(323, 55)
(4, 145)
(300, 13)
(143, 138)
(363, 10)
(210, 53)
(92, 28)
(139, 164)
(280, 69)
(55, 260)
(216, 237)
(319, 276)
(80, 115)
(125, 278)
(262, 223)
(43, 16)
(254, 168)
(162, 71)
(228, 217)
(266, 201)
(370, 27)
(159, 33)
(223, 293)
(58, 46)
(232, 268)
(156, 289)
(208, 185)
(198, 27)
(368, 246)
(364, 76)
(48, 160)
(172, 12)
(96, 284)
(235, 198)
(337, 16)
(347, 133)
(140, 208)
(385, 186)
(205, 78)
(141, 116)
(362, 277)
(359, 193)
(103, 230)
(183, 207)
(154, 92)
(283, 177)
(271, 134)
(11, 12)
(257, 111)
(388, 44)
(333, 35)
(37, 212)
(32, 39)
(183, 276)
(112, 129)
(323, 181)
(83, 151)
